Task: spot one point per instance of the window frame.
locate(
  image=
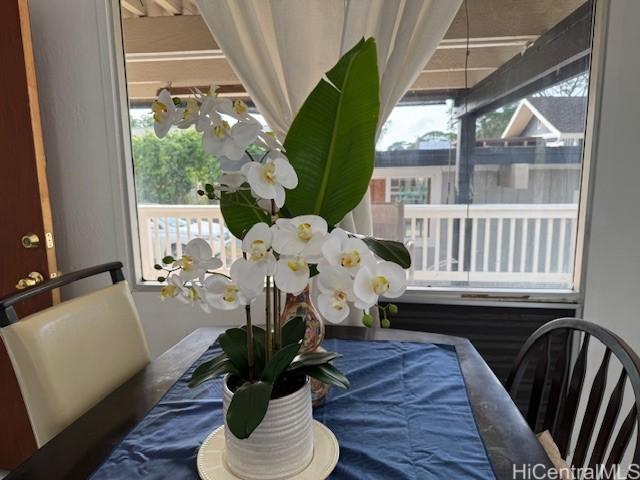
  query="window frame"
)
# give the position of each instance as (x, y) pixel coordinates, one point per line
(533, 297)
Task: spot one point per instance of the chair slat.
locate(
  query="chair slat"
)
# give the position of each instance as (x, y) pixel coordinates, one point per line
(622, 439)
(558, 387)
(608, 421)
(539, 380)
(591, 411)
(573, 397)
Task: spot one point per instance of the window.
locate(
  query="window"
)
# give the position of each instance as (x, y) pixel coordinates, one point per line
(477, 169)
(486, 182)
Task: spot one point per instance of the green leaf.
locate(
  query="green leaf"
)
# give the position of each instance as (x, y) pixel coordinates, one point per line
(279, 363)
(293, 331)
(212, 369)
(248, 407)
(241, 211)
(331, 142)
(389, 250)
(234, 343)
(307, 359)
(329, 374)
(258, 348)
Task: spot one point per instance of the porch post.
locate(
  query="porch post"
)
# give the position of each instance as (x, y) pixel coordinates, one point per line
(464, 180)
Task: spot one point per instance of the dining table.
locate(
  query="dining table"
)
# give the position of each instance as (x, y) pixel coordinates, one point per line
(458, 418)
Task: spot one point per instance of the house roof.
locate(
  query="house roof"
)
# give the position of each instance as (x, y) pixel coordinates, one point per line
(561, 115)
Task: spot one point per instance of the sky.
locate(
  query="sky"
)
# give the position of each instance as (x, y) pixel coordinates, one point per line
(406, 123)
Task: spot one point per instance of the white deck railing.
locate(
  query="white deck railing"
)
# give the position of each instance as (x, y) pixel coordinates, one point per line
(513, 243)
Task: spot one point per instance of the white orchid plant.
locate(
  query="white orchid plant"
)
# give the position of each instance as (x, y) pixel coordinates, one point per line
(285, 205)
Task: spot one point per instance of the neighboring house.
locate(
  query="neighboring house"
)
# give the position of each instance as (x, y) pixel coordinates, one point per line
(558, 120)
(537, 159)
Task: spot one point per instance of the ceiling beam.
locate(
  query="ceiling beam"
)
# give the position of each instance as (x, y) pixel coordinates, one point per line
(134, 6)
(504, 20)
(560, 53)
(182, 33)
(174, 7)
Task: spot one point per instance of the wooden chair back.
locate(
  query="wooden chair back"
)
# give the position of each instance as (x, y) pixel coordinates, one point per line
(559, 383)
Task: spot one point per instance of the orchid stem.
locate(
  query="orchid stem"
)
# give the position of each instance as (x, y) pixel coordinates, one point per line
(250, 362)
(276, 318)
(249, 343)
(276, 303)
(268, 346)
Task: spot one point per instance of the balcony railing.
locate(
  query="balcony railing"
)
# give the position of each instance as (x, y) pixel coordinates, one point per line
(502, 243)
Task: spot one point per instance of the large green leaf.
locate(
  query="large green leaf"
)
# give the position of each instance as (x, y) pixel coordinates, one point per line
(389, 250)
(331, 142)
(258, 348)
(327, 373)
(234, 343)
(241, 212)
(248, 407)
(293, 331)
(212, 369)
(307, 359)
(280, 361)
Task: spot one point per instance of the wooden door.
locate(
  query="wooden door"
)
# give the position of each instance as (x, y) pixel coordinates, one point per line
(24, 209)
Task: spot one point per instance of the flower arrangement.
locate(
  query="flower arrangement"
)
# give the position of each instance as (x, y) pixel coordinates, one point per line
(285, 204)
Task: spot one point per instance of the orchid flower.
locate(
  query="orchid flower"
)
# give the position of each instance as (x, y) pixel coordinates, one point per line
(268, 141)
(241, 288)
(174, 289)
(220, 138)
(350, 253)
(189, 114)
(231, 181)
(372, 281)
(303, 235)
(269, 179)
(236, 109)
(196, 260)
(164, 113)
(336, 290)
(257, 245)
(292, 274)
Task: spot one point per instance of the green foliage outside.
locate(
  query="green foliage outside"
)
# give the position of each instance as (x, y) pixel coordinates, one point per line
(492, 124)
(170, 170)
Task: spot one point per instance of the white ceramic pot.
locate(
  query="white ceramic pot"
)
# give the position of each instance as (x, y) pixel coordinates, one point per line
(281, 446)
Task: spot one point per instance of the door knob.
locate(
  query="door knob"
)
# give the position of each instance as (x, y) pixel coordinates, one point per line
(30, 240)
(34, 278)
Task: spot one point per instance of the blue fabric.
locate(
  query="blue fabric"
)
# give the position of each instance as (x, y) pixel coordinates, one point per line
(406, 416)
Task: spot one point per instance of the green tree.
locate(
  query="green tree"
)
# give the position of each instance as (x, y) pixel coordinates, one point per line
(492, 124)
(170, 170)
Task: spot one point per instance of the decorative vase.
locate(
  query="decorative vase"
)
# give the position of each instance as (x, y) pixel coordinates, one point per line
(300, 304)
(281, 446)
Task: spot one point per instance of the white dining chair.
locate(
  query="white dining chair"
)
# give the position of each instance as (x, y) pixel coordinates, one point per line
(70, 356)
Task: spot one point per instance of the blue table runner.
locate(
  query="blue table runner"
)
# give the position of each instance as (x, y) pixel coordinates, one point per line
(406, 416)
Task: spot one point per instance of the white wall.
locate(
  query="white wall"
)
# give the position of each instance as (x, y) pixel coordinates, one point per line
(612, 288)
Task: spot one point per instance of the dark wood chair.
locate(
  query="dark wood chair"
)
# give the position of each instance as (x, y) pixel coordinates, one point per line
(558, 384)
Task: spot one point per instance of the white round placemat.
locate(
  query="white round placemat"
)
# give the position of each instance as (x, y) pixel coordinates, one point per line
(212, 466)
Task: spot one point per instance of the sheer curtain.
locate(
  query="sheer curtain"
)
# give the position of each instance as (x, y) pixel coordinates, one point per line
(280, 49)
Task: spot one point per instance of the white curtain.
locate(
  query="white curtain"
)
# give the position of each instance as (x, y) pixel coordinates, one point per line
(281, 48)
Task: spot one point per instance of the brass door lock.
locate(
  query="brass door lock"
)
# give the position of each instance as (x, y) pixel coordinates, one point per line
(30, 240)
(31, 280)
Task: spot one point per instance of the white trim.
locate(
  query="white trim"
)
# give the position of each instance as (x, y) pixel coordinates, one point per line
(122, 155)
(589, 162)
